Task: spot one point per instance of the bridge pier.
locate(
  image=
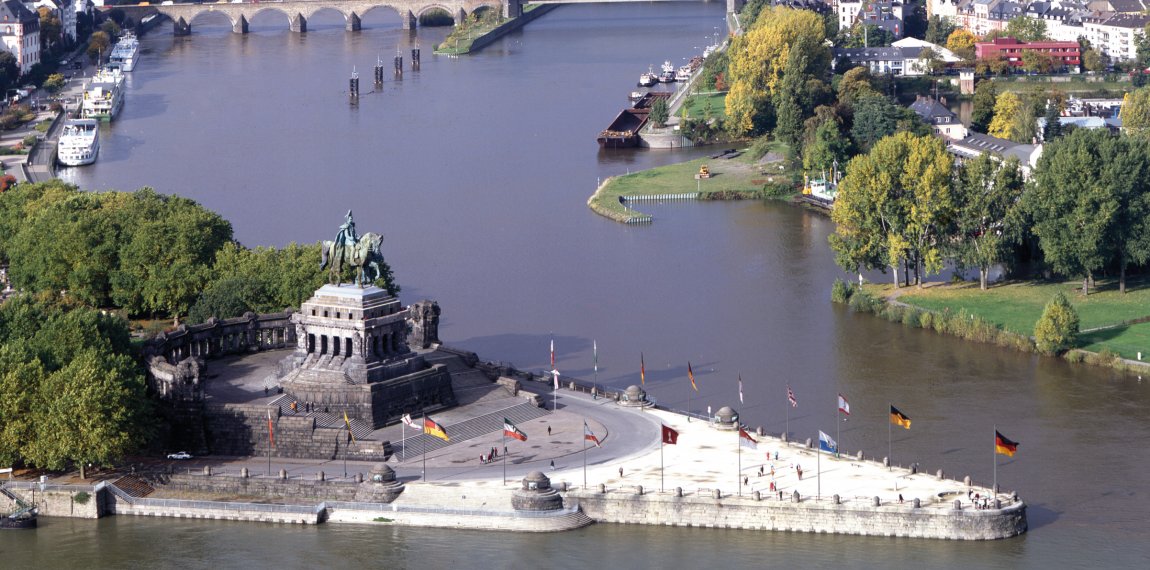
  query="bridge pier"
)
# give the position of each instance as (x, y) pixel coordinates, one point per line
(409, 20)
(180, 27)
(512, 8)
(298, 23)
(240, 26)
(460, 17)
(353, 24)
(735, 6)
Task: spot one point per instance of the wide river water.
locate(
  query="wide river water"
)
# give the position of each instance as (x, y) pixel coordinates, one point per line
(477, 170)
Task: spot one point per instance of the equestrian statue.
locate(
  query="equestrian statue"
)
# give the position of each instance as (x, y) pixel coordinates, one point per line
(350, 249)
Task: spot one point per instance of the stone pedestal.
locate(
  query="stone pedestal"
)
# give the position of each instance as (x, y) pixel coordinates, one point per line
(634, 397)
(536, 494)
(380, 486)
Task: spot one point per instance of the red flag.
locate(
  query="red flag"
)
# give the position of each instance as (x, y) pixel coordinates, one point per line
(642, 370)
(588, 435)
(512, 430)
(791, 398)
(271, 430)
(691, 375)
(844, 405)
(746, 440)
(670, 436)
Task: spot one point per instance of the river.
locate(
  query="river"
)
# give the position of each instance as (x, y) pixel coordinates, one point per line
(477, 171)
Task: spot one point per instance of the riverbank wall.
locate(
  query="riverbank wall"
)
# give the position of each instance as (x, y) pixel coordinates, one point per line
(69, 501)
(510, 26)
(792, 514)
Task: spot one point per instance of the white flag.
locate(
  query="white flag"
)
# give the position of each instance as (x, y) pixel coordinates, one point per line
(407, 421)
(844, 406)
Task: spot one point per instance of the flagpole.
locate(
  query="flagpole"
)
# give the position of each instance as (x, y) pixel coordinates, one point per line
(739, 475)
(503, 441)
(689, 403)
(403, 441)
(423, 474)
(838, 423)
(787, 405)
(584, 453)
(270, 444)
(819, 467)
(660, 460)
(889, 454)
(994, 458)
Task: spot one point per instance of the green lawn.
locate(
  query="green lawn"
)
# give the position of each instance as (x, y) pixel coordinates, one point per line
(740, 174)
(697, 105)
(1063, 86)
(1016, 307)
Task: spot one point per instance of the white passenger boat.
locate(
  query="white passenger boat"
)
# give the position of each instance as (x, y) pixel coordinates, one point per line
(125, 53)
(104, 95)
(79, 142)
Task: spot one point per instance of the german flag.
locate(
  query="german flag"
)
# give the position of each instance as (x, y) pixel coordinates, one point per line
(691, 375)
(432, 428)
(642, 370)
(898, 418)
(1003, 445)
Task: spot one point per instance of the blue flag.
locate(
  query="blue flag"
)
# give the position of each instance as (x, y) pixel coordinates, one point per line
(827, 444)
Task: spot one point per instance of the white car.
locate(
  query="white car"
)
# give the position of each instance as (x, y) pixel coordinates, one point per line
(180, 455)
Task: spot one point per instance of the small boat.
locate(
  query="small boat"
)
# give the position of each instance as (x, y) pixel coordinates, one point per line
(683, 74)
(636, 95)
(648, 79)
(821, 191)
(79, 142)
(24, 517)
(668, 72)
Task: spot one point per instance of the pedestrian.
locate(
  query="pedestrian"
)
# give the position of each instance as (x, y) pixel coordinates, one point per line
(504, 450)
(553, 464)
(548, 430)
(900, 498)
(799, 470)
(620, 472)
(776, 455)
(772, 486)
(294, 407)
(744, 479)
(481, 460)
(265, 390)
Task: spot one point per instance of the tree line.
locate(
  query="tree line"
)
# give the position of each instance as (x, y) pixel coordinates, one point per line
(1085, 209)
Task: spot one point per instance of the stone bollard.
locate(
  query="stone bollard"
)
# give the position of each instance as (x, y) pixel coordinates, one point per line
(957, 505)
(756, 496)
(795, 497)
(359, 477)
(639, 490)
(602, 488)
(938, 473)
(563, 487)
(207, 470)
(966, 480)
(886, 462)
(759, 430)
(917, 504)
(838, 500)
(859, 455)
(996, 491)
(914, 468)
(877, 501)
(809, 443)
(243, 473)
(678, 491)
(283, 474)
(785, 438)
(997, 503)
(716, 493)
(319, 476)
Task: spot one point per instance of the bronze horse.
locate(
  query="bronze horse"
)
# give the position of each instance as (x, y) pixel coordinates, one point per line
(364, 255)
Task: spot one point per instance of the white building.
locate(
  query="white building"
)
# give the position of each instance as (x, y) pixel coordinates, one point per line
(1115, 36)
(20, 33)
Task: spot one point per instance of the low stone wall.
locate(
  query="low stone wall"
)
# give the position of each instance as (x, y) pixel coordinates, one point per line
(287, 514)
(508, 521)
(63, 501)
(264, 486)
(746, 513)
(510, 26)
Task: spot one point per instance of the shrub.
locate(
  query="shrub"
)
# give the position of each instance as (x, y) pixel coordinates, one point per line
(1075, 356)
(911, 317)
(760, 147)
(841, 291)
(81, 498)
(29, 140)
(926, 320)
(1057, 328)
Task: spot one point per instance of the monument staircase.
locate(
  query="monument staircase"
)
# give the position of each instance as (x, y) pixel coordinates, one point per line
(134, 486)
(359, 429)
(471, 428)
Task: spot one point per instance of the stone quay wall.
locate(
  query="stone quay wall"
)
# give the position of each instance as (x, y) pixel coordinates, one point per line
(264, 486)
(71, 501)
(804, 516)
(510, 26)
(250, 512)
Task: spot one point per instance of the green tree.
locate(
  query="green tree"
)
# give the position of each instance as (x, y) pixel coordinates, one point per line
(1072, 203)
(98, 45)
(1057, 329)
(854, 85)
(759, 57)
(1026, 29)
(659, 114)
(876, 117)
(1053, 127)
(1092, 60)
(894, 206)
(1135, 111)
(54, 83)
(50, 29)
(985, 97)
(987, 194)
(826, 147)
(939, 29)
(864, 35)
(9, 70)
(1013, 119)
(1037, 62)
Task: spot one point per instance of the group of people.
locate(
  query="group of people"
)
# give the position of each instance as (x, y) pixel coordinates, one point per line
(308, 407)
(491, 455)
(979, 502)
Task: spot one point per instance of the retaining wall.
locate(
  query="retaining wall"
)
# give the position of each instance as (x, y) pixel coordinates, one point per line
(807, 516)
(60, 501)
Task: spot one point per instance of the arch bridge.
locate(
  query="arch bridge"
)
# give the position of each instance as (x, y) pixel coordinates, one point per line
(298, 11)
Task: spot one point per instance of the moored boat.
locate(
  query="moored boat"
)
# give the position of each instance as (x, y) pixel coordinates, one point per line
(104, 95)
(648, 79)
(125, 52)
(667, 74)
(79, 142)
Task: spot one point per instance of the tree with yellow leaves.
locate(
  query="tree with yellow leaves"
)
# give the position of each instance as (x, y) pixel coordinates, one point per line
(961, 42)
(759, 57)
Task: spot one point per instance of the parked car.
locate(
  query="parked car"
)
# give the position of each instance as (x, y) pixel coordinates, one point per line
(180, 455)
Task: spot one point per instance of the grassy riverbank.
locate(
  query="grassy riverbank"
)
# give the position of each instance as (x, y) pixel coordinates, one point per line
(1110, 319)
(737, 178)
